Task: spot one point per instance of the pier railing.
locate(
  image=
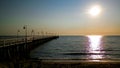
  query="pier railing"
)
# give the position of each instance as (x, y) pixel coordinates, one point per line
(13, 41)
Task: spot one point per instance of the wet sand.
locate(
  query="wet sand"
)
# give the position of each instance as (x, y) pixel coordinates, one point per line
(80, 64)
(62, 64)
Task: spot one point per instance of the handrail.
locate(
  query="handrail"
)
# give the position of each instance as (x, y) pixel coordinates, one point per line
(13, 41)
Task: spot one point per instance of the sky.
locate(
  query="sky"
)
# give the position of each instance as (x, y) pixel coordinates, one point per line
(65, 17)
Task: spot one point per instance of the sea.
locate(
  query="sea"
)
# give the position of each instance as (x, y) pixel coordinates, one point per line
(90, 47)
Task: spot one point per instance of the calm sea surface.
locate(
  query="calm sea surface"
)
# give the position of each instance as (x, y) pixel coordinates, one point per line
(79, 47)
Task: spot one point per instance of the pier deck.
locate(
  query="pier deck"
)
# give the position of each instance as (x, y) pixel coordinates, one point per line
(17, 48)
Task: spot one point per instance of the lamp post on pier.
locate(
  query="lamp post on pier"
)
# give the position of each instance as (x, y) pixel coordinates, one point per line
(25, 28)
(32, 34)
(17, 34)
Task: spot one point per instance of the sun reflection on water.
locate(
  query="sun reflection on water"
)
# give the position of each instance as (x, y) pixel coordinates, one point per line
(95, 47)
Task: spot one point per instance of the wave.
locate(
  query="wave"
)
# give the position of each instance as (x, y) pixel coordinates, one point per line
(89, 54)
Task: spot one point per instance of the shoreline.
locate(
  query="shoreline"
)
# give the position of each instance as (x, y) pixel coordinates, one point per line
(80, 61)
(60, 63)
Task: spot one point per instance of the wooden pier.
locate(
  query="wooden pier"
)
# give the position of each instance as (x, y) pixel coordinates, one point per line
(18, 48)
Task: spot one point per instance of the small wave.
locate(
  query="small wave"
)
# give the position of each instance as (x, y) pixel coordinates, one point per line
(89, 54)
(107, 50)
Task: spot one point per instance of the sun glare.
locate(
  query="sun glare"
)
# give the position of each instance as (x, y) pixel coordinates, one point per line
(94, 41)
(95, 10)
(94, 46)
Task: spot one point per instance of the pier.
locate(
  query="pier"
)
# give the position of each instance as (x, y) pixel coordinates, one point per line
(17, 48)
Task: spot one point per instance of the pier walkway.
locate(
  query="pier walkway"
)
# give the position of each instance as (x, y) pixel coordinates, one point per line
(15, 41)
(21, 47)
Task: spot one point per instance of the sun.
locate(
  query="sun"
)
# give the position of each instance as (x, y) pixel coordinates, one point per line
(95, 10)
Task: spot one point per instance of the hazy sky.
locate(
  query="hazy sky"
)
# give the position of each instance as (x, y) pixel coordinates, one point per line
(61, 16)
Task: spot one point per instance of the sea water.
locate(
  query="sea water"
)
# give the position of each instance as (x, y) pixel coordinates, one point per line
(79, 47)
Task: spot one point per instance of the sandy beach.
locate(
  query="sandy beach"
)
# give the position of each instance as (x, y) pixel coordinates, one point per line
(80, 64)
(61, 64)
